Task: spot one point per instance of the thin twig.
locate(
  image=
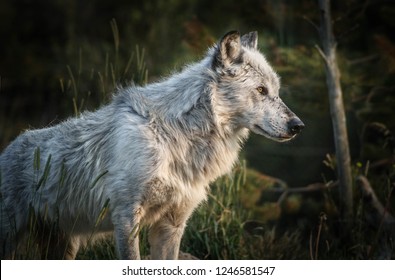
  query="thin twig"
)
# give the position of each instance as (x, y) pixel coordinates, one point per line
(322, 221)
(321, 52)
(311, 22)
(310, 188)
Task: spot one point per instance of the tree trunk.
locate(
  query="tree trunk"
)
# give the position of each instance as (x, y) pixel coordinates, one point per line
(337, 111)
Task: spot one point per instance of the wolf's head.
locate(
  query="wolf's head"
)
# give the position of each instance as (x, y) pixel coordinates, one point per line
(247, 90)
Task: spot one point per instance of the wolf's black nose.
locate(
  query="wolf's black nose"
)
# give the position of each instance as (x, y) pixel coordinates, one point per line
(295, 126)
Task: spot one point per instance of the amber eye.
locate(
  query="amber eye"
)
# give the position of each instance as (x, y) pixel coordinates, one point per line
(262, 90)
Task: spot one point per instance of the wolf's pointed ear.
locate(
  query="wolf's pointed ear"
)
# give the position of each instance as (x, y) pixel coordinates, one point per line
(250, 40)
(228, 50)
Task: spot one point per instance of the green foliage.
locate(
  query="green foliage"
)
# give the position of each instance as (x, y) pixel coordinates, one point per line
(302, 73)
(221, 228)
(217, 227)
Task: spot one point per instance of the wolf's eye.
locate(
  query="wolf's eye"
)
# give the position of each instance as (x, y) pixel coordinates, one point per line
(262, 90)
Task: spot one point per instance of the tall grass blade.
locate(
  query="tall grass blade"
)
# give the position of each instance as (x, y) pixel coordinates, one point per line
(44, 177)
(115, 33)
(98, 178)
(103, 213)
(128, 64)
(73, 82)
(102, 85)
(135, 232)
(61, 82)
(113, 75)
(36, 160)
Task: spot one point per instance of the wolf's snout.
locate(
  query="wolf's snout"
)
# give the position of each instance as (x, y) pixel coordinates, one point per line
(295, 126)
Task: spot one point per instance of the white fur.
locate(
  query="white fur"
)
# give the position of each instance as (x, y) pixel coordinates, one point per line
(149, 156)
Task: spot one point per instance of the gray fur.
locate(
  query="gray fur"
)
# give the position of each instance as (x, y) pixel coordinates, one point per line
(149, 155)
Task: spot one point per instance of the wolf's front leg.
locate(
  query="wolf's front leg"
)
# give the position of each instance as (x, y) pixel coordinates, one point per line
(126, 231)
(127, 244)
(165, 235)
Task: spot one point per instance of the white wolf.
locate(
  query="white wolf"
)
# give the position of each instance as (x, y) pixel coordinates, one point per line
(147, 158)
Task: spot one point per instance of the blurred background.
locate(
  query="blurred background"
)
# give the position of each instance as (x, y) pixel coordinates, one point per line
(58, 58)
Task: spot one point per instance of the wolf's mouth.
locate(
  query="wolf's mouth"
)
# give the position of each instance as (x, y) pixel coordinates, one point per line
(279, 138)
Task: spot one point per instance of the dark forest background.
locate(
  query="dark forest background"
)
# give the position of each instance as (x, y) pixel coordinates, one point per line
(60, 57)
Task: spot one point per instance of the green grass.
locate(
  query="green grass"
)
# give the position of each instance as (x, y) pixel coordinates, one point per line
(224, 227)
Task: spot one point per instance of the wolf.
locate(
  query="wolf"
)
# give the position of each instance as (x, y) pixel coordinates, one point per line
(145, 159)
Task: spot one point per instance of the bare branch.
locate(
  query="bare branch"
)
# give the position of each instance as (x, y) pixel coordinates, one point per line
(377, 214)
(362, 59)
(348, 31)
(321, 53)
(328, 52)
(312, 23)
(309, 188)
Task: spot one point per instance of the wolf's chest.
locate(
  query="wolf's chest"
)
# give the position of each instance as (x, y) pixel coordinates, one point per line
(199, 161)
